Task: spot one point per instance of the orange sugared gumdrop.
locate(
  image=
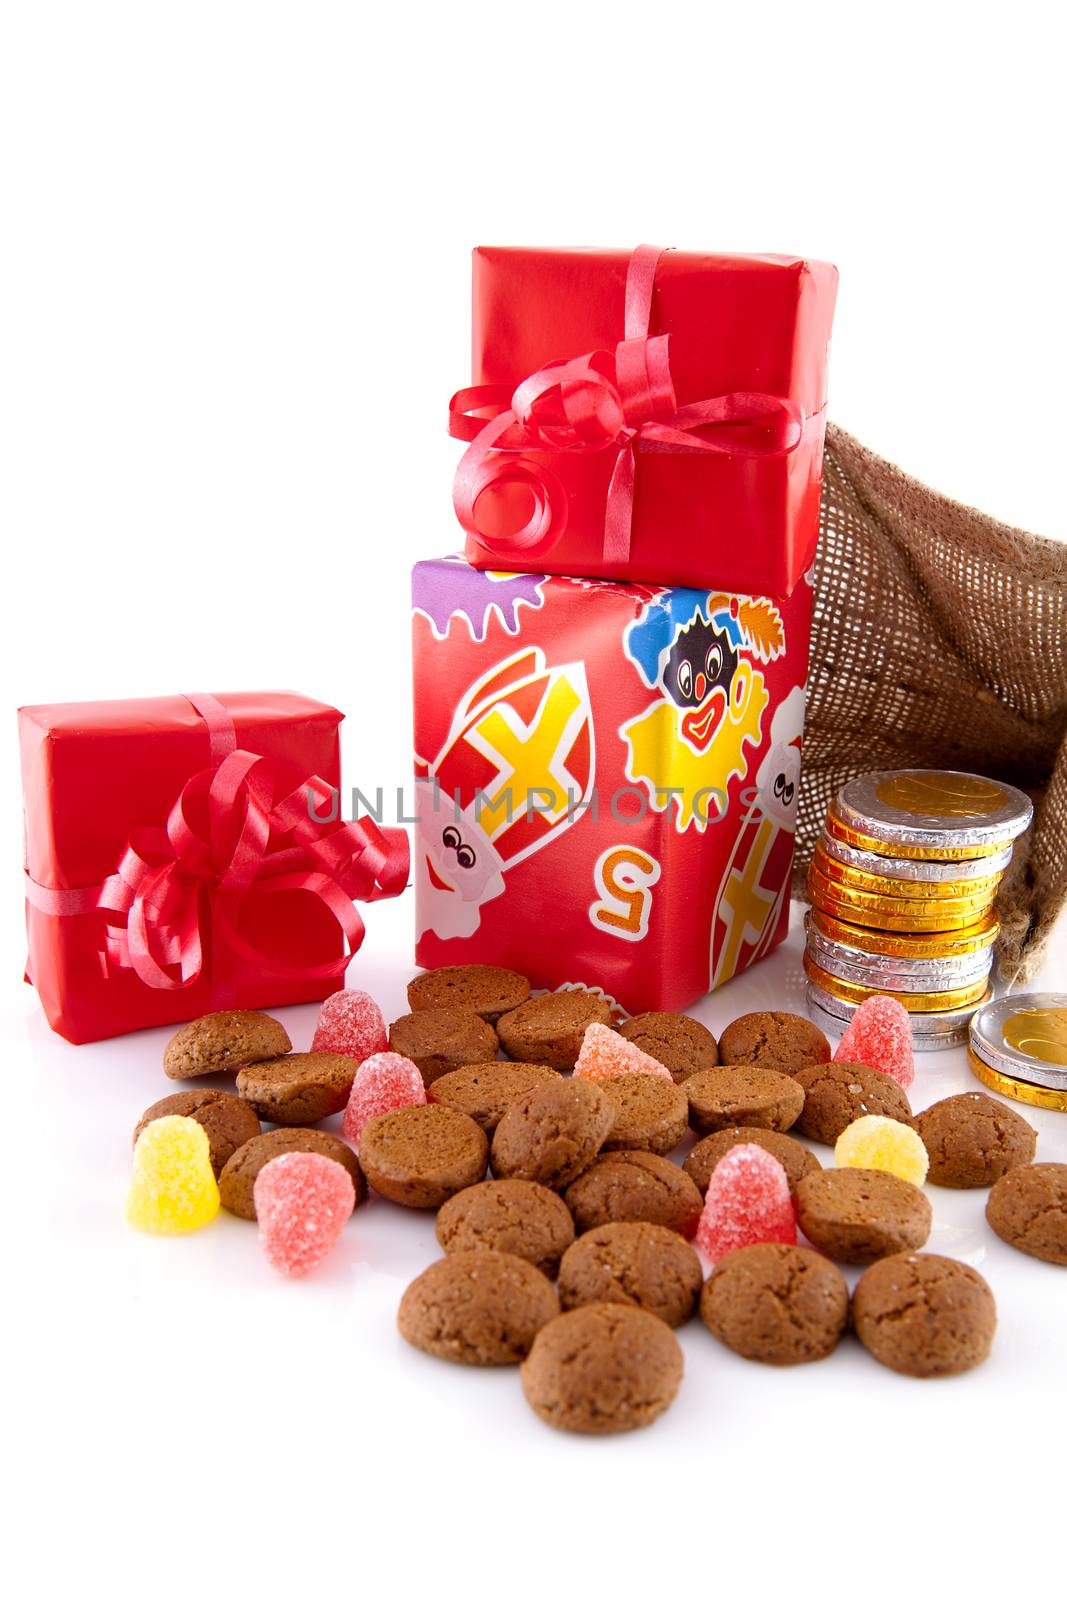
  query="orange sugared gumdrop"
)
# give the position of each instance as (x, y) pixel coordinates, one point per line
(606, 1054)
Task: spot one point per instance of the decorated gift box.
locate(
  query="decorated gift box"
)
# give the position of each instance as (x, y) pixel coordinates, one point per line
(650, 415)
(607, 777)
(184, 855)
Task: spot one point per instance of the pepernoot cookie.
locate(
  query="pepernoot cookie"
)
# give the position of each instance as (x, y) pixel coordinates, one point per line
(602, 1369)
(836, 1093)
(776, 1303)
(486, 1089)
(650, 1113)
(224, 1041)
(1027, 1208)
(682, 1043)
(856, 1215)
(553, 1133)
(509, 1214)
(299, 1089)
(490, 991)
(225, 1118)
(633, 1264)
(723, 1097)
(635, 1186)
(238, 1176)
(781, 1040)
(972, 1140)
(551, 1027)
(925, 1316)
(440, 1039)
(704, 1157)
(420, 1156)
(480, 1308)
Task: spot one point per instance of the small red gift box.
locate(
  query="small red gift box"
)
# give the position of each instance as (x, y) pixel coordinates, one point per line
(654, 416)
(185, 855)
(607, 778)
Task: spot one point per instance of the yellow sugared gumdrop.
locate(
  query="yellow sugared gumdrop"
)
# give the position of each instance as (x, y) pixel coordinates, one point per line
(173, 1188)
(883, 1145)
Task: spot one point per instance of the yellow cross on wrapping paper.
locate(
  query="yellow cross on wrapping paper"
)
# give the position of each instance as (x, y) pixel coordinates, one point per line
(748, 904)
(530, 752)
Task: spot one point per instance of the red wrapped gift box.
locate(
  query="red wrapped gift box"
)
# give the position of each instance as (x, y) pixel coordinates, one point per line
(173, 866)
(691, 459)
(607, 778)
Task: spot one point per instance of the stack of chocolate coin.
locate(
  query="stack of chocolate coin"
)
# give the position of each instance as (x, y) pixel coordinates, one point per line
(902, 884)
(1018, 1046)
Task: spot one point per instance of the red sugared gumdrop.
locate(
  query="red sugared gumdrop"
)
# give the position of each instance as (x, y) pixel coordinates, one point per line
(383, 1083)
(748, 1202)
(350, 1024)
(302, 1203)
(606, 1054)
(879, 1036)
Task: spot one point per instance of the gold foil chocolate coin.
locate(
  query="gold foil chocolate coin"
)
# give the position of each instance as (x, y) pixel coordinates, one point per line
(922, 870)
(1024, 1036)
(1039, 1031)
(1031, 1094)
(931, 944)
(940, 794)
(893, 912)
(840, 829)
(924, 808)
(885, 972)
(905, 888)
(943, 1000)
(930, 1030)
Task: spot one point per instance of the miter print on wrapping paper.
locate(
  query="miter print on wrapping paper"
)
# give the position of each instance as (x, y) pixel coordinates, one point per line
(514, 771)
(703, 652)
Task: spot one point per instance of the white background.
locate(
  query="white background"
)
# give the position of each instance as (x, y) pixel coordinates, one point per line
(234, 302)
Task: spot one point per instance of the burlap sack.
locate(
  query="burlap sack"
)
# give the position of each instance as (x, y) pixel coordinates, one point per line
(940, 640)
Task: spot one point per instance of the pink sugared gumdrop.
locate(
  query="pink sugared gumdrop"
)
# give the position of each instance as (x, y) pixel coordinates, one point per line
(879, 1036)
(748, 1202)
(384, 1082)
(350, 1024)
(302, 1203)
(606, 1054)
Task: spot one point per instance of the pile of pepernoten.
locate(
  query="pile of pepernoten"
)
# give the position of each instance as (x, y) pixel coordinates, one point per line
(582, 1252)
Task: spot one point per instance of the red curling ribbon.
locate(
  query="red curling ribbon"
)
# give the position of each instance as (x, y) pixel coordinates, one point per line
(177, 896)
(622, 401)
(221, 731)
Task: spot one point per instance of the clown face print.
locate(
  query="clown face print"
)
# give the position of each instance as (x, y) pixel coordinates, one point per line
(699, 671)
(703, 652)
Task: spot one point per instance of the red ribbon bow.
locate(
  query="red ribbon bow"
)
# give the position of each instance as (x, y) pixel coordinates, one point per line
(623, 401)
(226, 834)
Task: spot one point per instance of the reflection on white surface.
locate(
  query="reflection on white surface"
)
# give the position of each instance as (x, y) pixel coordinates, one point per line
(120, 1323)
